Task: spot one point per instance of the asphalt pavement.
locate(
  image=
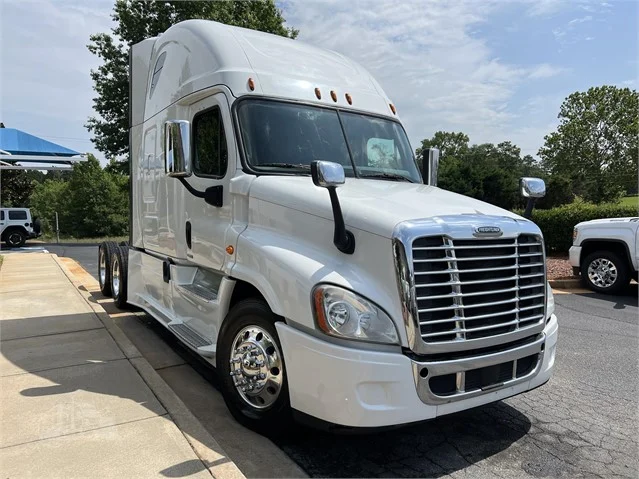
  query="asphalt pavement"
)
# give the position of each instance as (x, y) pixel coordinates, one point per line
(582, 423)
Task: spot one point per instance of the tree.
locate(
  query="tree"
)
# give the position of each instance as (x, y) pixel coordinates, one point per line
(487, 172)
(595, 144)
(137, 20)
(449, 144)
(49, 198)
(92, 203)
(15, 188)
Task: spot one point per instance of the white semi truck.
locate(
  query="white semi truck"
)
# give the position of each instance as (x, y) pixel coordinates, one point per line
(281, 229)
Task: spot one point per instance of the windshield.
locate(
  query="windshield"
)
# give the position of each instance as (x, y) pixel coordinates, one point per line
(287, 137)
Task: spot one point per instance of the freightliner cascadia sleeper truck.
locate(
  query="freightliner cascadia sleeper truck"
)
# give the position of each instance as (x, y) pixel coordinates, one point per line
(280, 228)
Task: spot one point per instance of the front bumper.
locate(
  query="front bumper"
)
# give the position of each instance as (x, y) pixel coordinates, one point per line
(574, 256)
(362, 388)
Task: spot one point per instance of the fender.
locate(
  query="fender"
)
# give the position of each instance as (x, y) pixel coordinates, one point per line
(586, 242)
(285, 269)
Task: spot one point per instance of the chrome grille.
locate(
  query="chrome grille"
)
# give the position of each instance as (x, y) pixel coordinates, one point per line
(478, 288)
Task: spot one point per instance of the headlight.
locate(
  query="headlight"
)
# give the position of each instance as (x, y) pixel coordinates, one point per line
(550, 301)
(344, 314)
(574, 234)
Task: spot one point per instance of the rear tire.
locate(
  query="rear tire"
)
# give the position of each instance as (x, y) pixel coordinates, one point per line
(605, 272)
(266, 407)
(105, 253)
(119, 272)
(15, 238)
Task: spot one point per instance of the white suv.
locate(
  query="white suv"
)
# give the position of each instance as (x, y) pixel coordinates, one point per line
(605, 252)
(16, 226)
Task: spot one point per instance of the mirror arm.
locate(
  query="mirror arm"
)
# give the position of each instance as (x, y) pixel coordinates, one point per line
(193, 191)
(342, 238)
(529, 207)
(212, 195)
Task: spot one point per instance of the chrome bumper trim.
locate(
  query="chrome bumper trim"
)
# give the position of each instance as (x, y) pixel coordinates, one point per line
(460, 366)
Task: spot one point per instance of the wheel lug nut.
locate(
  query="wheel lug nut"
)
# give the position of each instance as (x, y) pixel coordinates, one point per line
(262, 376)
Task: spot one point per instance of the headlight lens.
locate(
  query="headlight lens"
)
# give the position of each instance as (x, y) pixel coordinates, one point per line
(550, 301)
(342, 313)
(574, 234)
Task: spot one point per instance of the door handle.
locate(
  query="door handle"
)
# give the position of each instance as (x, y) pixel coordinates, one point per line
(188, 234)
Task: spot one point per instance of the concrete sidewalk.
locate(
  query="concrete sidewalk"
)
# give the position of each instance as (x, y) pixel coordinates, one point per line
(78, 399)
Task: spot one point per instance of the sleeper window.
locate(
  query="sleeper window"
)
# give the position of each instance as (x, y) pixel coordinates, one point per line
(210, 154)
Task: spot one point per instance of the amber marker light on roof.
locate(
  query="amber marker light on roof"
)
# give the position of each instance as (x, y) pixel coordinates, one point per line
(349, 99)
(392, 107)
(230, 249)
(333, 95)
(318, 93)
(251, 84)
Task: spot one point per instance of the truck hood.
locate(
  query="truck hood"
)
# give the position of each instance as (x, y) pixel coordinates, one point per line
(608, 221)
(375, 206)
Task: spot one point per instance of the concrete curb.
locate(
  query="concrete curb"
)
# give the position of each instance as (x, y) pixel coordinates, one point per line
(566, 283)
(205, 446)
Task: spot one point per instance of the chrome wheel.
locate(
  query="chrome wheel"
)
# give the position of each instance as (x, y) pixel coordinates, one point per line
(115, 278)
(256, 367)
(602, 273)
(102, 267)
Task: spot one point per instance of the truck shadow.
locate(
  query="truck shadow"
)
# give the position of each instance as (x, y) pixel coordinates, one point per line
(629, 296)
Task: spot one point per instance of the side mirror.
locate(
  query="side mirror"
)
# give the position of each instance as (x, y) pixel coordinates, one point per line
(327, 174)
(432, 166)
(532, 187)
(330, 175)
(177, 148)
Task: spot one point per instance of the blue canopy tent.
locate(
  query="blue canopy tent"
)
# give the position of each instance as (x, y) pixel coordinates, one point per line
(19, 146)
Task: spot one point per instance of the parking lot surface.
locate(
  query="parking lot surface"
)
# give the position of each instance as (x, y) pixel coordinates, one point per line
(583, 423)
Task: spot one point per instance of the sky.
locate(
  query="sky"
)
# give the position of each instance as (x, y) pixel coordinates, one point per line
(495, 70)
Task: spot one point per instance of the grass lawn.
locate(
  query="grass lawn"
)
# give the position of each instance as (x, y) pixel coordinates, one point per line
(69, 239)
(630, 201)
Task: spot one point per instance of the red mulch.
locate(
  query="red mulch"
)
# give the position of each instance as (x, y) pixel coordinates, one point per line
(559, 268)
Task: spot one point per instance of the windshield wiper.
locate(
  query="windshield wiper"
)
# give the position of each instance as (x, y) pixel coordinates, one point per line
(387, 176)
(287, 165)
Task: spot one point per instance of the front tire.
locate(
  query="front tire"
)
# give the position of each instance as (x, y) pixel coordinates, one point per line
(605, 272)
(251, 368)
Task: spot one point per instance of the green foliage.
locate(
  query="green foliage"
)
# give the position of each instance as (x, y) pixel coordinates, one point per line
(557, 223)
(47, 198)
(596, 143)
(93, 202)
(16, 186)
(558, 193)
(137, 20)
(630, 201)
(487, 172)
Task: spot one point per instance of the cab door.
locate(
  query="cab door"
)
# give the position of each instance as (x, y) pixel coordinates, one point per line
(213, 160)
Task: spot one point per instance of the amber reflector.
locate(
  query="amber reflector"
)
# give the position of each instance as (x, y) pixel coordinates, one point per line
(230, 249)
(392, 107)
(318, 93)
(349, 99)
(251, 84)
(333, 95)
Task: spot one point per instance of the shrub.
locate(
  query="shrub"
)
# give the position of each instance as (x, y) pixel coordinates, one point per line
(557, 223)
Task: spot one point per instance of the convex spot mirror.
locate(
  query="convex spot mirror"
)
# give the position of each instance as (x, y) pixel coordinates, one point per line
(177, 148)
(532, 187)
(327, 174)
